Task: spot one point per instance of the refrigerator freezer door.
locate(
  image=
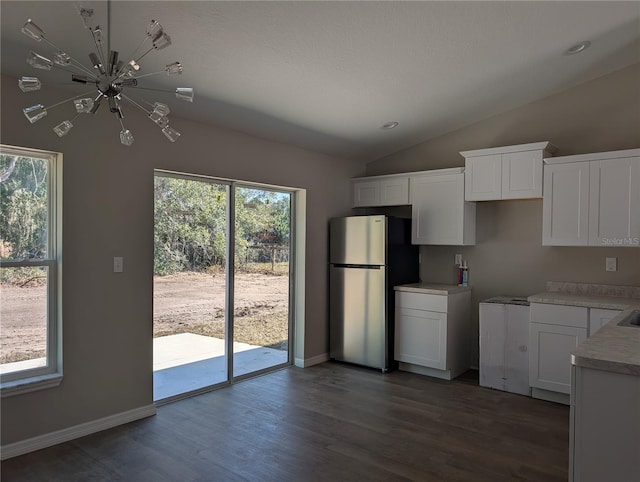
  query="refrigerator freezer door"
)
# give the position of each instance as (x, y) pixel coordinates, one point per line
(358, 240)
(358, 325)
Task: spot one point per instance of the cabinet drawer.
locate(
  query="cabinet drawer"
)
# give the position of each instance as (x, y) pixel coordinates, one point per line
(421, 301)
(559, 315)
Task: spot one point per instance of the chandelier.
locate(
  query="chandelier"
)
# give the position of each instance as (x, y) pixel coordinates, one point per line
(109, 77)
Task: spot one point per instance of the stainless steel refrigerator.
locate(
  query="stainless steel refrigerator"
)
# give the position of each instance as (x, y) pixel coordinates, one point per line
(368, 256)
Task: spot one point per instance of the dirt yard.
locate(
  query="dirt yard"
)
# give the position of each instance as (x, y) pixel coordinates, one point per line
(183, 303)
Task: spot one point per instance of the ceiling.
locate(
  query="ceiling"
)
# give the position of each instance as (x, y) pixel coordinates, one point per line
(326, 75)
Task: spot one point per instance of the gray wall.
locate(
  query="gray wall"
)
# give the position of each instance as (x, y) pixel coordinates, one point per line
(600, 115)
(108, 211)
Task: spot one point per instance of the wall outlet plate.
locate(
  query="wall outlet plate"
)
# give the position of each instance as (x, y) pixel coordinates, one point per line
(118, 264)
(611, 264)
(458, 259)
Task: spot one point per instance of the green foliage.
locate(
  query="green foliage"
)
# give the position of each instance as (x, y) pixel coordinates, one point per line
(191, 225)
(23, 207)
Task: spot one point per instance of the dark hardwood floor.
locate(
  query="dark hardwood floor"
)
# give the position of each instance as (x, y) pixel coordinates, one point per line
(325, 423)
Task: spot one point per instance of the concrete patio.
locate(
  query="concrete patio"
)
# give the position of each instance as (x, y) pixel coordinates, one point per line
(186, 362)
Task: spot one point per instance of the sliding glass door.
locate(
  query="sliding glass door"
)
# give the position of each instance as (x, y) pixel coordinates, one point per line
(261, 279)
(190, 285)
(221, 282)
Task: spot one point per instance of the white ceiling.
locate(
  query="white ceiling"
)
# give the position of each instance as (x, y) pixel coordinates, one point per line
(326, 75)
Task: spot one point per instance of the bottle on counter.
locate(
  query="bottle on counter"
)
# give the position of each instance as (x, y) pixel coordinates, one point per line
(465, 274)
(460, 274)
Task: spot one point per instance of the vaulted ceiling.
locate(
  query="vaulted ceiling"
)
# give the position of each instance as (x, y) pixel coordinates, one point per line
(326, 75)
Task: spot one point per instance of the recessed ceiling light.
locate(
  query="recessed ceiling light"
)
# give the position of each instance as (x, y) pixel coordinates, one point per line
(577, 48)
(389, 125)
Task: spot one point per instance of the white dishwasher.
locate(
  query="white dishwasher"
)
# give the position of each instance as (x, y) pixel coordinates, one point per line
(504, 344)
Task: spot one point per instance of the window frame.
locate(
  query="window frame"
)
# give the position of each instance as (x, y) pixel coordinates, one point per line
(50, 374)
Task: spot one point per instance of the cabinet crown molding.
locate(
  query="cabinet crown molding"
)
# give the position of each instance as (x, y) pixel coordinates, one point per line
(432, 172)
(596, 156)
(535, 146)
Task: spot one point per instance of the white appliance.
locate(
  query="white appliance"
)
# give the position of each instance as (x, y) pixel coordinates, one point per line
(504, 344)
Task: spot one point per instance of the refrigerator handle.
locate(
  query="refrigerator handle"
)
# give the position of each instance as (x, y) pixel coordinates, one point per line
(356, 266)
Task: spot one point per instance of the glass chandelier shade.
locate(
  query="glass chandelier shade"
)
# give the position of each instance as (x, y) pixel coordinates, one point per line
(109, 75)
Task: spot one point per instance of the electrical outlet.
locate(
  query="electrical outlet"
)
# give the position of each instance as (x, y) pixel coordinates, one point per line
(118, 264)
(611, 264)
(458, 259)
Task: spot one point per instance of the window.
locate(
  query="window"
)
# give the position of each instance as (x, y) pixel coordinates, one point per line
(30, 271)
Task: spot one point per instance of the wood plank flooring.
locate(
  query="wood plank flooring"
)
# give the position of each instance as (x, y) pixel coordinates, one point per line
(324, 423)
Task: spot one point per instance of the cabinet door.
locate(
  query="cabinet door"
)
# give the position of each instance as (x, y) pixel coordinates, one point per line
(614, 202)
(550, 359)
(366, 193)
(522, 175)
(421, 337)
(565, 205)
(483, 178)
(439, 213)
(394, 191)
(599, 317)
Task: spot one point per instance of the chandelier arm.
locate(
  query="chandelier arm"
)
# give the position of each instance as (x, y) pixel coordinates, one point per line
(136, 104)
(138, 77)
(98, 47)
(80, 66)
(131, 56)
(144, 54)
(109, 26)
(137, 87)
(49, 107)
(85, 71)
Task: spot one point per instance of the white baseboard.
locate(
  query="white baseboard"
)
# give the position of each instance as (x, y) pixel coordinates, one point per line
(77, 431)
(314, 360)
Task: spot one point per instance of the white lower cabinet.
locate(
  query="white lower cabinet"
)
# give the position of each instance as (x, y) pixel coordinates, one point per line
(551, 347)
(432, 333)
(555, 331)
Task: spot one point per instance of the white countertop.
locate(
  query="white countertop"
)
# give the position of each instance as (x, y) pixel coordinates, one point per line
(432, 288)
(613, 348)
(604, 302)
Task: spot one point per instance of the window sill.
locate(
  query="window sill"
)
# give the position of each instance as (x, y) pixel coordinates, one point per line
(32, 384)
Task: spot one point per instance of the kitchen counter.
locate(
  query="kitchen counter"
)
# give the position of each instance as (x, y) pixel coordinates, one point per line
(432, 288)
(613, 348)
(574, 299)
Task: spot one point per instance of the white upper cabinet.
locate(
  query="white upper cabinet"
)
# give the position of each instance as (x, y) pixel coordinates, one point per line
(374, 191)
(614, 201)
(592, 200)
(511, 172)
(483, 178)
(565, 206)
(440, 214)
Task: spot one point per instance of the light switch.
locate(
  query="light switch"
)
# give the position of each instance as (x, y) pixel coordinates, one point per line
(118, 264)
(612, 264)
